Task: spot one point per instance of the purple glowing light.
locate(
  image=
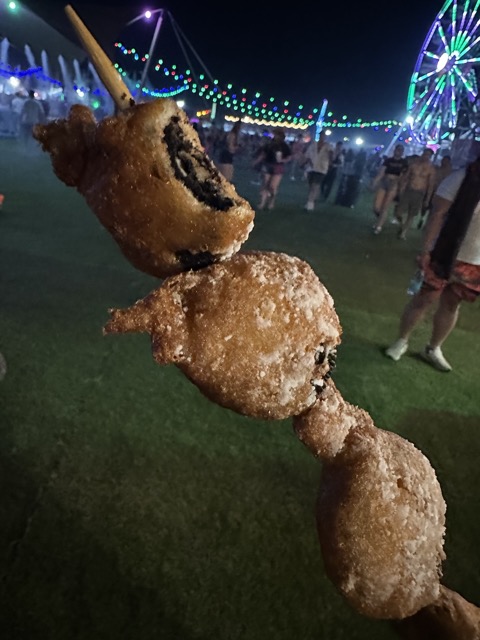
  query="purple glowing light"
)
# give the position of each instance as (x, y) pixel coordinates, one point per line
(444, 87)
(148, 14)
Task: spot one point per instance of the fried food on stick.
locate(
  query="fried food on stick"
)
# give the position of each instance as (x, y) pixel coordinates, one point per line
(451, 617)
(380, 510)
(146, 177)
(257, 333)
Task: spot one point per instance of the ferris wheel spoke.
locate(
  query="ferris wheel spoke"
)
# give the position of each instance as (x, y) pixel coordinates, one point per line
(467, 43)
(445, 82)
(437, 91)
(464, 15)
(462, 45)
(469, 31)
(468, 86)
(454, 111)
(438, 87)
(472, 15)
(476, 41)
(433, 114)
(454, 26)
(443, 38)
(423, 102)
(427, 75)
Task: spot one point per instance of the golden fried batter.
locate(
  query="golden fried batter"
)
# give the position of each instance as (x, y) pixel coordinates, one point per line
(146, 177)
(451, 617)
(381, 524)
(380, 511)
(256, 334)
(324, 427)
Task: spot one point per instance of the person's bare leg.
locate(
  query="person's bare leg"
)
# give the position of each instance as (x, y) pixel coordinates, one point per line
(445, 317)
(412, 314)
(387, 201)
(265, 192)
(407, 223)
(313, 194)
(378, 201)
(444, 321)
(227, 171)
(415, 311)
(274, 184)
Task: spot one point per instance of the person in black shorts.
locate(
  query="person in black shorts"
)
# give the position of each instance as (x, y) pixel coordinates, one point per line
(385, 184)
(228, 150)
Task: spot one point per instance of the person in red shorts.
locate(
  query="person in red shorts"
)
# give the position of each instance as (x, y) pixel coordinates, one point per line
(450, 260)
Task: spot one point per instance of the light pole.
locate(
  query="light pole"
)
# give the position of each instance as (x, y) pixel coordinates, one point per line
(146, 15)
(321, 118)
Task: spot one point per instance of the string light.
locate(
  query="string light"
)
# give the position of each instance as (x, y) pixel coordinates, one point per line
(257, 110)
(262, 113)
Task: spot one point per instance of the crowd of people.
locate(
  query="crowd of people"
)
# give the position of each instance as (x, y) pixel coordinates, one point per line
(404, 189)
(449, 261)
(325, 168)
(418, 188)
(24, 111)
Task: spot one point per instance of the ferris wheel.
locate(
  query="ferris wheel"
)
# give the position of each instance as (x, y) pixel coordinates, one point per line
(443, 101)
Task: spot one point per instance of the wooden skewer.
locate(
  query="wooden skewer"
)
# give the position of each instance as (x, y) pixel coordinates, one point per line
(108, 74)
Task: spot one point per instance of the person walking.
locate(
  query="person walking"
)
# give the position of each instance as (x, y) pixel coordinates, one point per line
(450, 261)
(415, 191)
(276, 154)
(335, 167)
(319, 156)
(441, 172)
(32, 113)
(228, 151)
(297, 148)
(385, 184)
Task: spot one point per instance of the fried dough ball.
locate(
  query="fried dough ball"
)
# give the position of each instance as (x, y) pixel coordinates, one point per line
(324, 427)
(146, 177)
(256, 334)
(380, 510)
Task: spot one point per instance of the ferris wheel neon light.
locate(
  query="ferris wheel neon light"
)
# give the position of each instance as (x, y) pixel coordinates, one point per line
(443, 93)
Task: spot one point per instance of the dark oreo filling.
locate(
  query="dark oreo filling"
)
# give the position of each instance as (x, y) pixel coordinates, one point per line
(185, 160)
(320, 357)
(195, 261)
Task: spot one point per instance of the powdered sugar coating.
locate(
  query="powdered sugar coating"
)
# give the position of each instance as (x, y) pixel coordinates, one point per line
(248, 331)
(381, 523)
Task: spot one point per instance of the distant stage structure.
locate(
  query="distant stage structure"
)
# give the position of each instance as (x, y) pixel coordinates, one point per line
(443, 101)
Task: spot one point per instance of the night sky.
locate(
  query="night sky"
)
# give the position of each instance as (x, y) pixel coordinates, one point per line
(358, 55)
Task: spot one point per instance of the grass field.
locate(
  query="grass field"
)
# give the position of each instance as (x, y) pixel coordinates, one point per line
(133, 508)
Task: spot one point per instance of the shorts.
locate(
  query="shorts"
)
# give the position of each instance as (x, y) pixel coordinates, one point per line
(225, 157)
(411, 201)
(276, 169)
(464, 281)
(315, 177)
(389, 182)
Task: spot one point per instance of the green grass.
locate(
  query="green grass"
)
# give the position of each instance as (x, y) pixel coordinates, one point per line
(130, 506)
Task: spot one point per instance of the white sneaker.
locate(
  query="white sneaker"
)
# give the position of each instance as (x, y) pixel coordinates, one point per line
(396, 350)
(308, 206)
(436, 358)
